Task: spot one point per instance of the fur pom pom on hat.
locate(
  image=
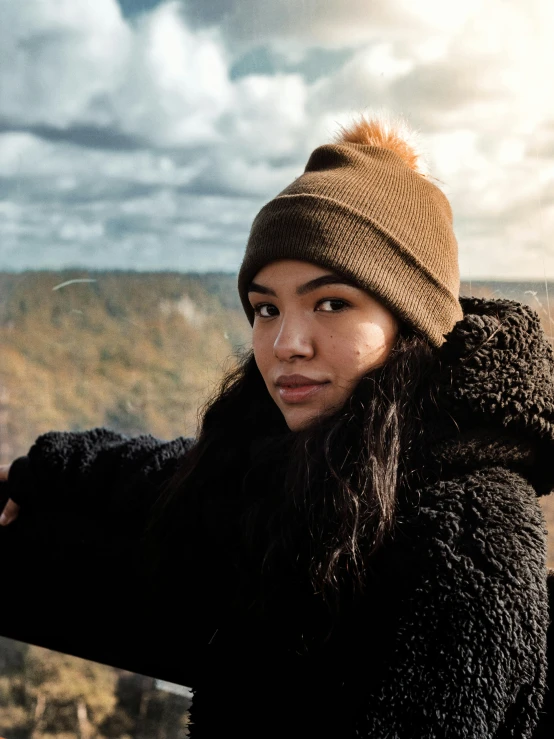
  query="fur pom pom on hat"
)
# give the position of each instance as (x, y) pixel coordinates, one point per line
(365, 208)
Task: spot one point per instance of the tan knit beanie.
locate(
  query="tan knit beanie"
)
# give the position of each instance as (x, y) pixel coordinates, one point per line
(365, 208)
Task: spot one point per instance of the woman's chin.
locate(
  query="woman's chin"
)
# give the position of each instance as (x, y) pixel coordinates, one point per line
(299, 419)
(297, 424)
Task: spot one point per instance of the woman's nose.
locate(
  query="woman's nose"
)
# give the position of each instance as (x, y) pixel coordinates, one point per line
(293, 340)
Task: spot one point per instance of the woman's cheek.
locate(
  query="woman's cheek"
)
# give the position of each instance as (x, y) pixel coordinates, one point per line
(347, 365)
(376, 347)
(262, 344)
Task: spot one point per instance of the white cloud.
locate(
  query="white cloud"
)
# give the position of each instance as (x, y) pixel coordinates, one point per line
(59, 57)
(176, 85)
(68, 62)
(179, 157)
(334, 24)
(67, 206)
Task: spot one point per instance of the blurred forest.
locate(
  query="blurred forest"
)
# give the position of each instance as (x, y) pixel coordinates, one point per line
(138, 352)
(45, 694)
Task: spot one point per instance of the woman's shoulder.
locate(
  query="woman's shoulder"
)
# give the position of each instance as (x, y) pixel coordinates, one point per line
(494, 394)
(491, 494)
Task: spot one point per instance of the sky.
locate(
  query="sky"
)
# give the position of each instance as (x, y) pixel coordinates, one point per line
(147, 134)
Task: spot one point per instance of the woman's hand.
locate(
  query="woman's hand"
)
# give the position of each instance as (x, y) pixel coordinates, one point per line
(11, 509)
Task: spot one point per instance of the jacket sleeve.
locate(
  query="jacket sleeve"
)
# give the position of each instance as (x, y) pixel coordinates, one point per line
(470, 655)
(73, 566)
(100, 471)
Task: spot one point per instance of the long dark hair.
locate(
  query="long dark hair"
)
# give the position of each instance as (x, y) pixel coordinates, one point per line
(329, 491)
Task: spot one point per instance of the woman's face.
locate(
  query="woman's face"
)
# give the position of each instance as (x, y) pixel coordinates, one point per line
(315, 335)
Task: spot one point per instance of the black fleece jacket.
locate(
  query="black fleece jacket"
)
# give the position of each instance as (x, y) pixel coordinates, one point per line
(450, 639)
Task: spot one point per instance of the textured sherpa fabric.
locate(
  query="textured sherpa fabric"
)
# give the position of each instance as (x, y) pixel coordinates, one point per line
(497, 373)
(449, 640)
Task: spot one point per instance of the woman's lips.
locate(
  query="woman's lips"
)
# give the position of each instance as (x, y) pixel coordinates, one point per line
(299, 393)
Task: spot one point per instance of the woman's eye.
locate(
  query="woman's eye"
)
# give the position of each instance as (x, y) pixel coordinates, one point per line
(332, 305)
(265, 310)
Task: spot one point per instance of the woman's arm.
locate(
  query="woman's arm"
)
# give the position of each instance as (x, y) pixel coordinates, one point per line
(73, 562)
(470, 658)
(99, 471)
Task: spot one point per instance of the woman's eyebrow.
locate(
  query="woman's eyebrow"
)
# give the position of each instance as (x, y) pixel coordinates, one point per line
(255, 287)
(324, 280)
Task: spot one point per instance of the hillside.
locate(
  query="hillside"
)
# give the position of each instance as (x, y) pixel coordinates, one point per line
(138, 352)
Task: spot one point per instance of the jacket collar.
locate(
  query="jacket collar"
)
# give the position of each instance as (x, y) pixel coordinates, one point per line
(495, 385)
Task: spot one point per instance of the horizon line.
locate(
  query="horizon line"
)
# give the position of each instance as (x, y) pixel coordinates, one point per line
(131, 270)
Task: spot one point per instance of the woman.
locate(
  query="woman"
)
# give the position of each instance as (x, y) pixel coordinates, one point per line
(353, 545)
